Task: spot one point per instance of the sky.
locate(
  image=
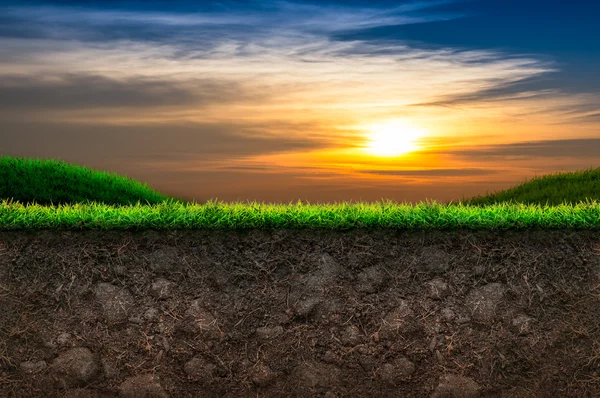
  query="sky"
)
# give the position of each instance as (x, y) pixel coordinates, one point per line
(320, 101)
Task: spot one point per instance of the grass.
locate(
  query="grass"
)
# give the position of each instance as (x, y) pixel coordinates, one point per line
(55, 195)
(52, 182)
(549, 190)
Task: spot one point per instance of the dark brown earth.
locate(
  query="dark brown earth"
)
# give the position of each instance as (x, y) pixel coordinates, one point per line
(307, 313)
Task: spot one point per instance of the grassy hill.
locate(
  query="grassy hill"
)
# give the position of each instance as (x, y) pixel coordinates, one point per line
(551, 189)
(47, 182)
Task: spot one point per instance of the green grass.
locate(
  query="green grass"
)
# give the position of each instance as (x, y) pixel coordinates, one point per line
(551, 190)
(52, 182)
(54, 195)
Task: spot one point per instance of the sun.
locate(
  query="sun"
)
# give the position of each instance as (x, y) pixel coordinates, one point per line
(393, 138)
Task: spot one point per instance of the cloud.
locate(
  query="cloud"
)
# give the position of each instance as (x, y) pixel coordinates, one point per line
(527, 88)
(593, 117)
(244, 67)
(576, 148)
(157, 142)
(75, 91)
(434, 172)
(291, 43)
(94, 22)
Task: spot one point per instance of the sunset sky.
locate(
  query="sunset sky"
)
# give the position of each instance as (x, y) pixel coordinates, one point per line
(320, 101)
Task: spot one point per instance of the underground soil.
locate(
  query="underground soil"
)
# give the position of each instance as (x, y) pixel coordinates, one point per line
(306, 313)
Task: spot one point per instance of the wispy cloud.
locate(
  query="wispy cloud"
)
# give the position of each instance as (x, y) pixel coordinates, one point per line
(560, 148)
(278, 60)
(74, 91)
(202, 143)
(434, 172)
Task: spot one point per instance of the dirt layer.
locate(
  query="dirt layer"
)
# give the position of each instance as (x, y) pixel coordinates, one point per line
(306, 313)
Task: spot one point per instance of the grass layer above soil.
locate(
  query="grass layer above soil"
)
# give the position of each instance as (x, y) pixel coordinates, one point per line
(38, 194)
(299, 313)
(215, 215)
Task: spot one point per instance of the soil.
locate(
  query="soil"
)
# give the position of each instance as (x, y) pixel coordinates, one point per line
(306, 313)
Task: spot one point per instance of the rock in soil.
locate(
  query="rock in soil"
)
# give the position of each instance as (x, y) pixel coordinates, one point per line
(198, 319)
(371, 279)
(437, 289)
(523, 324)
(116, 302)
(435, 259)
(262, 375)
(31, 367)
(482, 301)
(397, 371)
(455, 386)
(84, 393)
(310, 377)
(143, 386)
(200, 370)
(351, 335)
(268, 333)
(162, 289)
(76, 367)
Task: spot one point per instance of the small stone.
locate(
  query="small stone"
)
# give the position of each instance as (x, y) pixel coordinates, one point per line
(367, 362)
(136, 320)
(397, 371)
(398, 319)
(454, 386)
(110, 372)
(161, 327)
(523, 324)
(282, 317)
(262, 375)
(447, 314)
(304, 307)
(478, 270)
(116, 302)
(330, 357)
(164, 259)
(120, 270)
(371, 279)
(142, 386)
(162, 289)
(199, 369)
(199, 320)
(76, 367)
(31, 367)
(82, 393)
(64, 339)
(351, 336)
(435, 260)
(268, 333)
(165, 343)
(151, 314)
(482, 301)
(437, 289)
(313, 374)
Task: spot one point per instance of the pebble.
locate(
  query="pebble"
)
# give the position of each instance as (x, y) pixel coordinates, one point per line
(31, 367)
(142, 386)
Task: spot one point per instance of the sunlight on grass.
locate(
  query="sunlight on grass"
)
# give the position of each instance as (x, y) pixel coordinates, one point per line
(219, 215)
(51, 194)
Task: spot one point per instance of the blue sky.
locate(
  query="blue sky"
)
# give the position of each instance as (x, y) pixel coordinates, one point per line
(236, 99)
